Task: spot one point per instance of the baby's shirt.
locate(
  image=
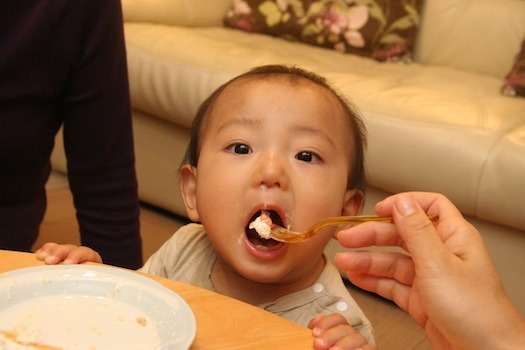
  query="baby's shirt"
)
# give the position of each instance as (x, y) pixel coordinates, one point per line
(188, 256)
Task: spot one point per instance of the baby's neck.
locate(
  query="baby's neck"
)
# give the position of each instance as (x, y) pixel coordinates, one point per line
(229, 283)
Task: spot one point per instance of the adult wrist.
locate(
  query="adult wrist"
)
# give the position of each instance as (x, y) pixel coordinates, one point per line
(511, 332)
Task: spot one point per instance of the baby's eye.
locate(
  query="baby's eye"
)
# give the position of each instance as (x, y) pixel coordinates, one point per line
(307, 157)
(240, 148)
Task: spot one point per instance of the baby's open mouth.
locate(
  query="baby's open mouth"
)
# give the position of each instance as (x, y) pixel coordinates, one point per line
(259, 226)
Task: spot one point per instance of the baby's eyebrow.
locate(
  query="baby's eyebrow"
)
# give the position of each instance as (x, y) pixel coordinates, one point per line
(243, 121)
(256, 122)
(315, 132)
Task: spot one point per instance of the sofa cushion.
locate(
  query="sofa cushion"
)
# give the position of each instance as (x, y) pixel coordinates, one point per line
(514, 84)
(482, 36)
(430, 128)
(385, 31)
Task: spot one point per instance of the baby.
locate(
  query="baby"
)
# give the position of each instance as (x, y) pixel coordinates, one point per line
(276, 141)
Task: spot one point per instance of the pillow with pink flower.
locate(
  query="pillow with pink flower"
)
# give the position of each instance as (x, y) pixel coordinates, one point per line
(514, 84)
(383, 30)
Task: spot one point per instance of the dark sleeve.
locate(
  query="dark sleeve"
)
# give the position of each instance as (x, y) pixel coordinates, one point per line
(98, 140)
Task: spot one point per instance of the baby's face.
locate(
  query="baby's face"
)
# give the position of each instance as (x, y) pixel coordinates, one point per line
(270, 145)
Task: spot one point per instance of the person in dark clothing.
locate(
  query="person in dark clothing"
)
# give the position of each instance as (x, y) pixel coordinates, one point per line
(63, 62)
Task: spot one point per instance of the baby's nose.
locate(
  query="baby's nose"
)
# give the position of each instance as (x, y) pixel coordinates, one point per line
(272, 172)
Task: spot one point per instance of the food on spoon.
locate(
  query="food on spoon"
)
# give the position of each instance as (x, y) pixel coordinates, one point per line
(262, 224)
(12, 341)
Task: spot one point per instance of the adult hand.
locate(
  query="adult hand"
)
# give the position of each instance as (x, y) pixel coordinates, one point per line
(448, 283)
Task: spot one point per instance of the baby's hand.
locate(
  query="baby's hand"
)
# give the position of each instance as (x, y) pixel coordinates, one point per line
(334, 332)
(53, 253)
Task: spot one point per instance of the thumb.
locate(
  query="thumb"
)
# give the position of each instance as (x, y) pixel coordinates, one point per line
(417, 231)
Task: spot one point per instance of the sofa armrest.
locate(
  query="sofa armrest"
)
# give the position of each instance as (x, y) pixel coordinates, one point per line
(190, 13)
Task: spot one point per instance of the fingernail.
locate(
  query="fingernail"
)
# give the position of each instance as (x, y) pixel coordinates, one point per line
(405, 205)
(316, 332)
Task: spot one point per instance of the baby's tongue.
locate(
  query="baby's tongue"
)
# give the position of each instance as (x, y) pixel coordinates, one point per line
(261, 243)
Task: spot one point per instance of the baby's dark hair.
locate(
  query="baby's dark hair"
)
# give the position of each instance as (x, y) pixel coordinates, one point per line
(295, 75)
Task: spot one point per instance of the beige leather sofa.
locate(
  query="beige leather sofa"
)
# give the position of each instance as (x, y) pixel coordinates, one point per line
(438, 124)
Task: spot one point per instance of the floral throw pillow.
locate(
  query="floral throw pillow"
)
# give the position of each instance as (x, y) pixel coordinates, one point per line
(514, 84)
(382, 29)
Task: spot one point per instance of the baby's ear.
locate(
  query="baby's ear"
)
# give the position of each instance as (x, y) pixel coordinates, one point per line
(353, 203)
(188, 189)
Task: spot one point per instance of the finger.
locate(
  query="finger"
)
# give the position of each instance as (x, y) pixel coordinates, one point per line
(436, 202)
(404, 296)
(417, 231)
(45, 250)
(450, 234)
(352, 341)
(52, 253)
(314, 321)
(81, 255)
(388, 288)
(59, 253)
(325, 322)
(393, 265)
(342, 335)
(368, 234)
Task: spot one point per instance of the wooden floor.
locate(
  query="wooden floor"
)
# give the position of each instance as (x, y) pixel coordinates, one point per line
(394, 328)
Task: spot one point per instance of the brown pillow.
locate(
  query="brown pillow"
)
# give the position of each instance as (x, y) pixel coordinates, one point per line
(514, 84)
(384, 30)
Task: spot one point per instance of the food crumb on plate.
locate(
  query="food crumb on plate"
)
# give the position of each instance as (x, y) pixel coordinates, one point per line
(142, 321)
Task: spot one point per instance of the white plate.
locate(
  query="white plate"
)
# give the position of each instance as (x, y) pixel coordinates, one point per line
(93, 307)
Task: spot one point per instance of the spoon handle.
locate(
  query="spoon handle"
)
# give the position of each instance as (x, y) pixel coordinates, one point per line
(348, 220)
